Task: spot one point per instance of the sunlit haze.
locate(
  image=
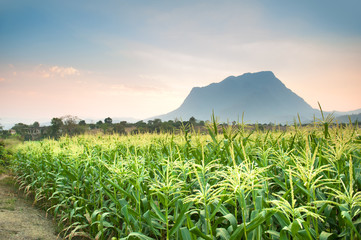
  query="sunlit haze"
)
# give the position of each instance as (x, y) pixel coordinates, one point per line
(139, 59)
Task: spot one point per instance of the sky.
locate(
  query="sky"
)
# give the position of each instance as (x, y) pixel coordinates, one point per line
(141, 58)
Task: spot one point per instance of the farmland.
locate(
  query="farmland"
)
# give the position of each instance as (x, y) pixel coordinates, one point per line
(303, 183)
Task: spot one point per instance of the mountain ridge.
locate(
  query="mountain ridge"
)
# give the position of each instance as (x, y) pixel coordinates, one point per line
(260, 96)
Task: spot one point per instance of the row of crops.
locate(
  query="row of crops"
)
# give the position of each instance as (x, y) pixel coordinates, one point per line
(300, 184)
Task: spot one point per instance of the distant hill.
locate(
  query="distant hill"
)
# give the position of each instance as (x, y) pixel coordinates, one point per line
(345, 118)
(260, 96)
(354, 112)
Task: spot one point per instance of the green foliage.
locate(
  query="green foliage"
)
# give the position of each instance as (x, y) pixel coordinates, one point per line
(6, 153)
(3, 154)
(108, 120)
(301, 184)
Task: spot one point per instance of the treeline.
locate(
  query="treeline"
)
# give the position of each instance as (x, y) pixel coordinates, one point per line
(71, 126)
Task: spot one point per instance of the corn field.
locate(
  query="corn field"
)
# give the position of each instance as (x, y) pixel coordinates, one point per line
(303, 183)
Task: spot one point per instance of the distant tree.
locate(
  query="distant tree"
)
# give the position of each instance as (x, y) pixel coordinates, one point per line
(157, 121)
(57, 122)
(177, 123)
(156, 125)
(140, 124)
(3, 153)
(119, 128)
(5, 133)
(36, 125)
(168, 126)
(21, 129)
(70, 120)
(71, 126)
(82, 127)
(55, 128)
(141, 127)
(192, 121)
(108, 120)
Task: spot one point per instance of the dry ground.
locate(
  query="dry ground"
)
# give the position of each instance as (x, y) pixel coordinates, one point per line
(19, 219)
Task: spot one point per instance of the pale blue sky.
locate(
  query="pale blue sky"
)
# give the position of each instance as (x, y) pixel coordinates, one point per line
(139, 59)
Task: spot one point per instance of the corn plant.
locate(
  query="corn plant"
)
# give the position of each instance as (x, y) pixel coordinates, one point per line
(232, 183)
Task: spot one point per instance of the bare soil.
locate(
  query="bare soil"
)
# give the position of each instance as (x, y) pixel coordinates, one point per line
(19, 219)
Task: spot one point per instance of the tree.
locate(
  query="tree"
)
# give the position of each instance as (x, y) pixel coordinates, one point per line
(21, 129)
(70, 120)
(108, 120)
(119, 128)
(55, 128)
(155, 125)
(192, 121)
(57, 122)
(141, 127)
(82, 123)
(71, 126)
(36, 125)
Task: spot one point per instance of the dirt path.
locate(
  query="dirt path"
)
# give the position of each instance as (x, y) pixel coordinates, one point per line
(19, 220)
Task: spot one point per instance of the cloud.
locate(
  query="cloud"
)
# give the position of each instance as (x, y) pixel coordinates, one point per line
(2, 79)
(63, 71)
(56, 71)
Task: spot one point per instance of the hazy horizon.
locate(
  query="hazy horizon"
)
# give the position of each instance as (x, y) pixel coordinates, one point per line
(139, 59)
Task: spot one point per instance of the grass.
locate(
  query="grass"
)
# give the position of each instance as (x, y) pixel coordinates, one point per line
(7, 204)
(303, 183)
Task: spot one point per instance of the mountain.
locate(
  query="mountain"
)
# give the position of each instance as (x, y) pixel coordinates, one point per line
(354, 112)
(346, 118)
(261, 96)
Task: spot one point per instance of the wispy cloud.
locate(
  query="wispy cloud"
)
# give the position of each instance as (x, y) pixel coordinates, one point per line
(63, 71)
(56, 71)
(2, 79)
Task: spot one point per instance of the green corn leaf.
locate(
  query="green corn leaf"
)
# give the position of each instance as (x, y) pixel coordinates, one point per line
(119, 188)
(222, 233)
(238, 232)
(230, 217)
(216, 209)
(195, 230)
(302, 188)
(259, 202)
(273, 233)
(186, 235)
(294, 227)
(232, 220)
(147, 217)
(346, 215)
(257, 221)
(283, 235)
(137, 235)
(180, 219)
(326, 236)
(157, 210)
(282, 219)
